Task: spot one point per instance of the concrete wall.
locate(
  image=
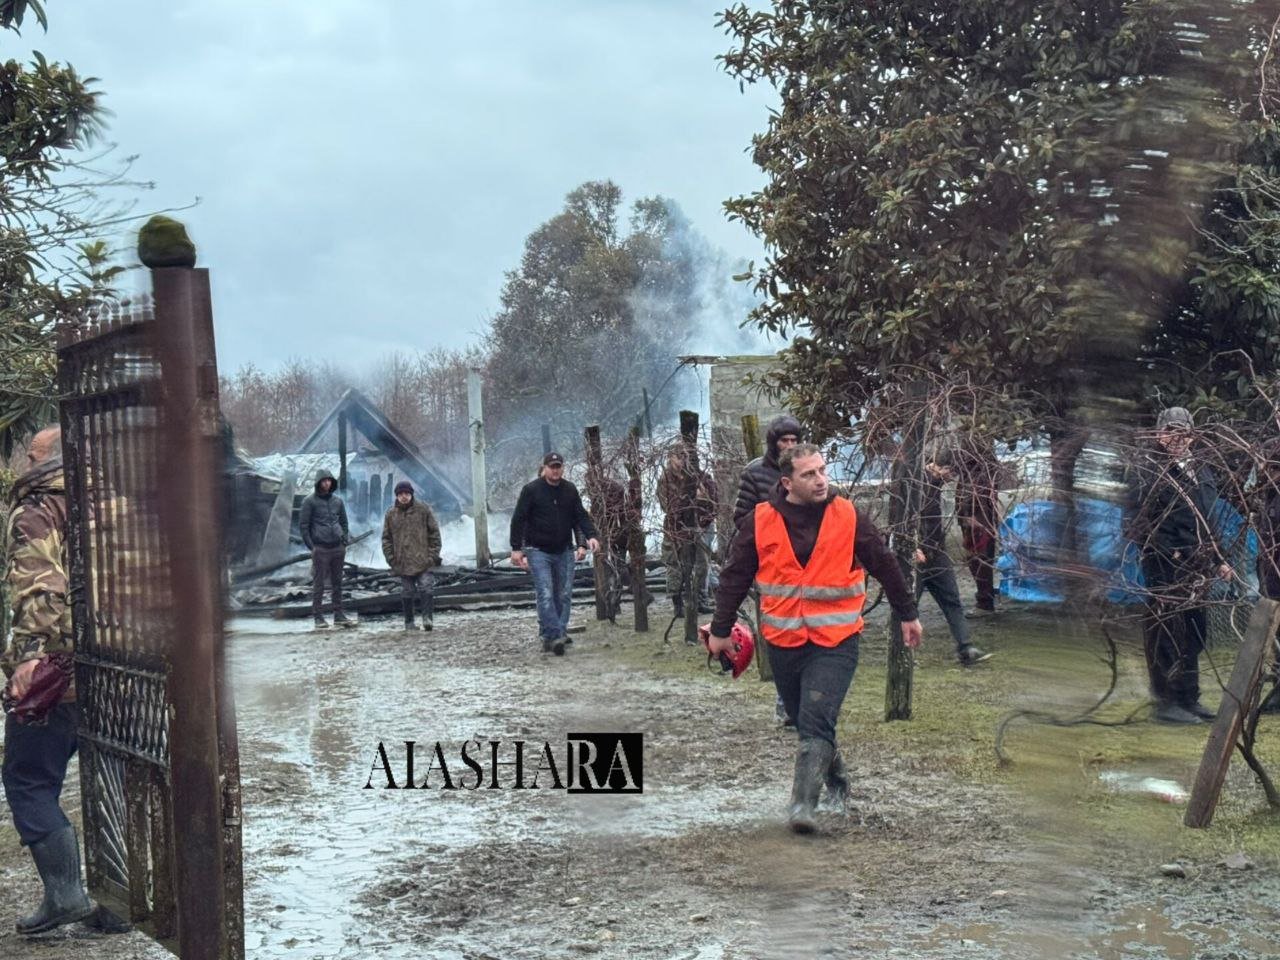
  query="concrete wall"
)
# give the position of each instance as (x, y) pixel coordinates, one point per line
(731, 399)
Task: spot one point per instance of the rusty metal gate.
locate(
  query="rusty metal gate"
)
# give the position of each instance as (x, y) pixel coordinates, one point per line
(159, 772)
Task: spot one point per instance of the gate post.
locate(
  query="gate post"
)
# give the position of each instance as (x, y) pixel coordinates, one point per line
(189, 502)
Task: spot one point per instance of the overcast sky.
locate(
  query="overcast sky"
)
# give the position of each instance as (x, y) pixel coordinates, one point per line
(368, 169)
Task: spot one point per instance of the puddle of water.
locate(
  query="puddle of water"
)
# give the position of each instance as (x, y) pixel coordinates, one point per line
(312, 707)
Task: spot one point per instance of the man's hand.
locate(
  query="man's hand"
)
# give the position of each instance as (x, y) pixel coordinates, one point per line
(593, 544)
(920, 558)
(519, 559)
(20, 682)
(580, 554)
(1225, 571)
(719, 645)
(912, 634)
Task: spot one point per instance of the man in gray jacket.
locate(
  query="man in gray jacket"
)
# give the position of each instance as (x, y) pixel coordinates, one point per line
(322, 521)
(411, 544)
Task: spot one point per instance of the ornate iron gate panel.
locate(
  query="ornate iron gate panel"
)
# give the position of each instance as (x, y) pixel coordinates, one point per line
(158, 761)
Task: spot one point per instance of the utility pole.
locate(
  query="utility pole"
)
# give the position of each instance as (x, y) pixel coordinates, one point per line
(479, 509)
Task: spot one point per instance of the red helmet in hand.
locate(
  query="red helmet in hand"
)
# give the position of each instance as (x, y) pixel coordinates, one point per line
(737, 659)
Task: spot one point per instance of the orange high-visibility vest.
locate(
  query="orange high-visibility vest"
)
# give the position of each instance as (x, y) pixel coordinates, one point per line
(821, 601)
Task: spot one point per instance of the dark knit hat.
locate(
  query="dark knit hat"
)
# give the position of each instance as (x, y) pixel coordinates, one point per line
(404, 486)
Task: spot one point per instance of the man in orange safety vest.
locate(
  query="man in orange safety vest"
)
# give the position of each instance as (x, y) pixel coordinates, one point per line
(809, 552)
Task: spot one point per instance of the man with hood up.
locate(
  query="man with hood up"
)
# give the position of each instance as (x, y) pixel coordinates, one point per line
(322, 521)
(36, 756)
(411, 543)
(761, 475)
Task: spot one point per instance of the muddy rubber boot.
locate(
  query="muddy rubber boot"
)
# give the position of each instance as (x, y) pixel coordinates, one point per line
(57, 859)
(428, 612)
(812, 760)
(406, 607)
(837, 781)
(340, 619)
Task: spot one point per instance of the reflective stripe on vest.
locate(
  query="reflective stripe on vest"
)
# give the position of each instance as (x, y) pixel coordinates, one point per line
(820, 602)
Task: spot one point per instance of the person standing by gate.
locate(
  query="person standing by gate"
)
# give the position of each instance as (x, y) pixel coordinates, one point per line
(411, 544)
(809, 552)
(322, 521)
(549, 512)
(36, 756)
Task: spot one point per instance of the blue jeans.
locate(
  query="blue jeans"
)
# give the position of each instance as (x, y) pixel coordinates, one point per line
(553, 586)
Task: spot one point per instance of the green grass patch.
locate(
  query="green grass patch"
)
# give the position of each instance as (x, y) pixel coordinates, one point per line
(1040, 664)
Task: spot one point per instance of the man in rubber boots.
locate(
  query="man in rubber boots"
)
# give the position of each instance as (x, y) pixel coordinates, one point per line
(809, 552)
(411, 545)
(36, 756)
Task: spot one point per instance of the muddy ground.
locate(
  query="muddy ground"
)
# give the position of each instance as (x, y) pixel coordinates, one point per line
(942, 854)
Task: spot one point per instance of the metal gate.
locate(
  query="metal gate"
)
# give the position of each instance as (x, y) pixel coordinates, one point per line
(142, 450)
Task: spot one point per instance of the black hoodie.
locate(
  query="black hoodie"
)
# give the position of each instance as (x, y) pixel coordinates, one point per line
(761, 475)
(322, 521)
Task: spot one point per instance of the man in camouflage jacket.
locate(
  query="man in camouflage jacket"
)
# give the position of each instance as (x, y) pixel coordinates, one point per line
(411, 543)
(36, 756)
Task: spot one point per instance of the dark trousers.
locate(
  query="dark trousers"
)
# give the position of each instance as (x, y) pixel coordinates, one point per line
(420, 585)
(980, 550)
(35, 764)
(812, 682)
(326, 565)
(1174, 628)
(939, 578)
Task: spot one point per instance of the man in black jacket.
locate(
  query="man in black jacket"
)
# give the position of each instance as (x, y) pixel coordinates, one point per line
(548, 514)
(1180, 556)
(322, 521)
(760, 476)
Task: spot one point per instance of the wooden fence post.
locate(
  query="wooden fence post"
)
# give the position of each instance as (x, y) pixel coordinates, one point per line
(189, 510)
(904, 522)
(1237, 701)
(635, 533)
(687, 524)
(751, 437)
(595, 490)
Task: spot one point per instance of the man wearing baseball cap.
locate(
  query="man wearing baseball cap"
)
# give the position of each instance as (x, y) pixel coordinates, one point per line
(548, 516)
(1181, 553)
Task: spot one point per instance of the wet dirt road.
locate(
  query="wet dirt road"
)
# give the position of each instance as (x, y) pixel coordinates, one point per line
(698, 866)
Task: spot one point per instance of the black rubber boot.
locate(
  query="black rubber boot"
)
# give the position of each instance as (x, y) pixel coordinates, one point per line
(57, 859)
(812, 760)
(837, 780)
(428, 611)
(406, 606)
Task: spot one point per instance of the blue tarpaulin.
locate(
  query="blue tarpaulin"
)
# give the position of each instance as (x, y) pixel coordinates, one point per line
(1031, 531)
